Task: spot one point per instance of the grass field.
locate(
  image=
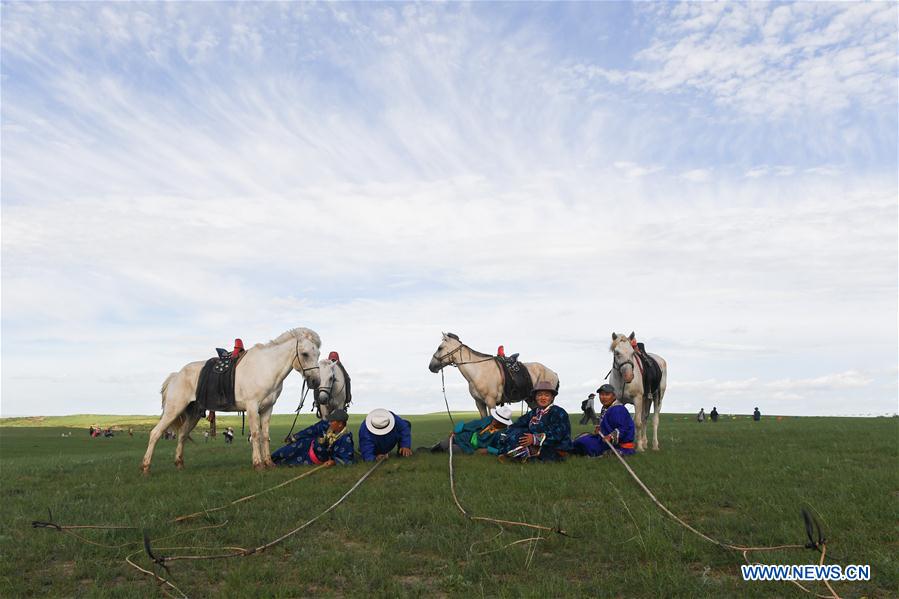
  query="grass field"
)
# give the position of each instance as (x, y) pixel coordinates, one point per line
(400, 534)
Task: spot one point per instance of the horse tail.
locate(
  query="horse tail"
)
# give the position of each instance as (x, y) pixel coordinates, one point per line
(165, 387)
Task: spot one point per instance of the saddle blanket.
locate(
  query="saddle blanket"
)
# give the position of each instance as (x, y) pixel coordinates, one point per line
(652, 373)
(517, 384)
(215, 389)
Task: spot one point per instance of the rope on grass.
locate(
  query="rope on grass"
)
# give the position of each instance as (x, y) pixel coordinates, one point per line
(452, 482)
(243, 552)
(248, 497)
(814, 543)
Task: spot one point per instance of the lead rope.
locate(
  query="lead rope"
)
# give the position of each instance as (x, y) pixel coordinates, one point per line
(452, 482)
(813, 543)
(446, 401)
(303, 393)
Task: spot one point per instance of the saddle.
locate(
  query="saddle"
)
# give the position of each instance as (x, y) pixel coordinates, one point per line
(517, 384)
(650, 370)
(215, 388)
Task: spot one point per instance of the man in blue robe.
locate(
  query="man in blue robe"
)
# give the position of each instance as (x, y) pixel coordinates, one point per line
(381, 431)
(616, 427)
(326, 442)
(485, 436)
(543, 433)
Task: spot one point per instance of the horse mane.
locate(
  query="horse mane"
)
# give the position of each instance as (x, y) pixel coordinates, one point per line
(297, 333)
(474, 351)
(619, 340)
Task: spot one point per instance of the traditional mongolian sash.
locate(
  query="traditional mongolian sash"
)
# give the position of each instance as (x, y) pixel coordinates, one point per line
(215, 389)
(517, 384)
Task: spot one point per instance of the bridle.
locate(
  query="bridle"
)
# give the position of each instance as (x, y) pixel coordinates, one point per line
(327, 388)
(452, 362)
(300, 363)
(617, 366)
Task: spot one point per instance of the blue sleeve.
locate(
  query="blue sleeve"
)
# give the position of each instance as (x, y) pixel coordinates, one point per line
(343, 450)
(404, 428)
(558, 429)
(473, 426)
(366, 444)
(459, 427)
(624, 423)
(315, 430)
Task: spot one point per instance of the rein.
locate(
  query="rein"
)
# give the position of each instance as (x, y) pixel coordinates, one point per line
(303, 391)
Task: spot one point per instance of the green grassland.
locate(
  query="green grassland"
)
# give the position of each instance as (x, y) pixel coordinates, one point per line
(400, 534)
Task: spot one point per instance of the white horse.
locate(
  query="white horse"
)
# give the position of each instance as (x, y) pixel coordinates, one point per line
(333, 393)
(484, 376)
(258, 381)
(629, 388)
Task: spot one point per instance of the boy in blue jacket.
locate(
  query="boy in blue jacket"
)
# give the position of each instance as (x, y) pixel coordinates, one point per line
(616, 427)
(381, 431)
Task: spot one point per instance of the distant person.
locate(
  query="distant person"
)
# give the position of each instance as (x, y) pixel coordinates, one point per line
(714, 414)
(130, 431)
(701, 416)
(205, 436)
(482, 436)
(756, 415)
(616, 427)
(229, 435)
(589, 412)
(381, 432)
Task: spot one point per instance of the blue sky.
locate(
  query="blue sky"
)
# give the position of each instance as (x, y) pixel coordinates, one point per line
(719, 177)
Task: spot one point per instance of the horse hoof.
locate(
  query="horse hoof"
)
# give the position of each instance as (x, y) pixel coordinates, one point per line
(259, 467)
(145, 470)
(179, 465)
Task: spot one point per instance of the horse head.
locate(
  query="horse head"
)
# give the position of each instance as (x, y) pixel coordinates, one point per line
(327, 371)
(444, 354)
(623, 356)
(305, 360)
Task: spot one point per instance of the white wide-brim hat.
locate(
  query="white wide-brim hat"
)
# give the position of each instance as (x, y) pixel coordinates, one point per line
(379, 422)
(502, 414)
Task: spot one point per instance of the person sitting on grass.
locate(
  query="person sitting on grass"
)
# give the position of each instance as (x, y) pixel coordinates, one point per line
(543, 433)
(326, 442)
(381, 431)
(616, 427)
(483, 436)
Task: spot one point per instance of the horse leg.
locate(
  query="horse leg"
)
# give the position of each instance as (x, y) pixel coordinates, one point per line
(647, 407)
(253, 422)
(639, 422)
(266, 418)
(188, 422)
(165, 421)
(657, 407)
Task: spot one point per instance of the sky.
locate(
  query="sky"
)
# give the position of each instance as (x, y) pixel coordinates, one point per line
(720, 178)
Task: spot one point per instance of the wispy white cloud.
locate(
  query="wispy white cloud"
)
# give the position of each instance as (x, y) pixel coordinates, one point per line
(179, 174)
(769, 60)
